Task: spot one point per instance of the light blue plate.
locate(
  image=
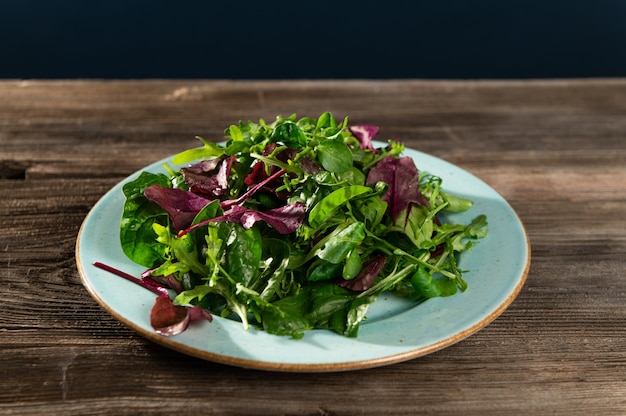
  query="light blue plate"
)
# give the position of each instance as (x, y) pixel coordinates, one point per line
(395, 330)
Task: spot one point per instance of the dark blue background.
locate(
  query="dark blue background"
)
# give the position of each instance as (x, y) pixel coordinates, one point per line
(322, 39)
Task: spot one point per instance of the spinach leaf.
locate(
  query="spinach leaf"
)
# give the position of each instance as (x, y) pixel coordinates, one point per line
(272, 280)
(323, 270)
(288, 316)
(324, 121)
(137, 237)
(338, 309)
(334, 155)
(242, 252)
(417, 224)
(423, 282)
(370, 210)
(337, 248)
(325, 209)
(289, 134)
(347, 322)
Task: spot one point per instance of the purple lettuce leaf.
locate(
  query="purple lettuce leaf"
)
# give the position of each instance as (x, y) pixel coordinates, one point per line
(402, 176)
(169, 319)
(168, 281)
(309, 165)
(365, 134)
(182, 206)
(285, 219)
(165, 317)
(209, 177)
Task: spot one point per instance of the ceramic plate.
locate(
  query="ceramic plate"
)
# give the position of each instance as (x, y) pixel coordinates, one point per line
(395, 330)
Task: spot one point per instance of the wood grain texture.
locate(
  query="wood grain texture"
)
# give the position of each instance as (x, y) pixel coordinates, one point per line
(556, 150)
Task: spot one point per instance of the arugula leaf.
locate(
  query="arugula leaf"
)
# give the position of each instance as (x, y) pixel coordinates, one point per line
(208, 150)
(194, 295)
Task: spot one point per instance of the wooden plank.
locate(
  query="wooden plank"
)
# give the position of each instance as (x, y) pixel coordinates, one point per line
(556, 150)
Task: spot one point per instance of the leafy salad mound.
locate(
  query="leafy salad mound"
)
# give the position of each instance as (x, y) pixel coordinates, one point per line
(292, 225)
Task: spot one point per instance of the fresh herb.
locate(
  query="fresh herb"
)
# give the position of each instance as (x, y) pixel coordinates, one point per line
(294, 225)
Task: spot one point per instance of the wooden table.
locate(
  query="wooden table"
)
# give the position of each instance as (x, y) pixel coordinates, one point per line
(556, 150)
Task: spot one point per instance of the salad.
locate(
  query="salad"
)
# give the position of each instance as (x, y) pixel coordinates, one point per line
(293, 225)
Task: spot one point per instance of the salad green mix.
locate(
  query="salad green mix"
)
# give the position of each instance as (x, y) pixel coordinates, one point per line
(292, 225)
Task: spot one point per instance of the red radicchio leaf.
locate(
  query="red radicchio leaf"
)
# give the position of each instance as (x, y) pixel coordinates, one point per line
(365, 134)
(169, 319)
(209, 177)
(366, 277)
(403, 179)
(182, 206)
(258, 173)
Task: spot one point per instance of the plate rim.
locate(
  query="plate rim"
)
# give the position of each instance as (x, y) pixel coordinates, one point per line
(393, 358)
